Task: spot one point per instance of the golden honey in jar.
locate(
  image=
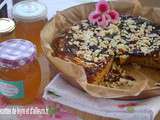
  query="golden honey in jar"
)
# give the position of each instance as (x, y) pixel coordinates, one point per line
(20, 74)
(7, 27)
(30, 17)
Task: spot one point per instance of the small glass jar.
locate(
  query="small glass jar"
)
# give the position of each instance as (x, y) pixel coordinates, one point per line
(7, 27)
(30, 17)
(20, 74)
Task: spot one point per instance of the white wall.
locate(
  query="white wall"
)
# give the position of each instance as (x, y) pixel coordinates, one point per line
(57, 5)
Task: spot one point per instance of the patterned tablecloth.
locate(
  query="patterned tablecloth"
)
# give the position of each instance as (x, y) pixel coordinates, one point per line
(39, 110)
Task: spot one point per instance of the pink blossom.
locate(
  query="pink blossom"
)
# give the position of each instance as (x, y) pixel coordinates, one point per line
(103, 16)
(104, 20)
(102, 6)
(114, 16)
(93, 17)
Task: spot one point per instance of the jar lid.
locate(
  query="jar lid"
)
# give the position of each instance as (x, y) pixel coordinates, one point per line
(6, 25)
(29, 11)
(16, 52)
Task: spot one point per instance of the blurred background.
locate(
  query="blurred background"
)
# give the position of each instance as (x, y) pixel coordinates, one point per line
(52, 5)
(56, 5)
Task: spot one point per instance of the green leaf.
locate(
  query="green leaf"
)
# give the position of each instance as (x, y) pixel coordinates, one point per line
(51, 110)
(130, 109)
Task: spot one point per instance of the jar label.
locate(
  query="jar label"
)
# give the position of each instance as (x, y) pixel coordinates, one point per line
(12, 89)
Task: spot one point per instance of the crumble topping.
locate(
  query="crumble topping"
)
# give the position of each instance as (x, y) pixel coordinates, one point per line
(92, 46)
(132, 35)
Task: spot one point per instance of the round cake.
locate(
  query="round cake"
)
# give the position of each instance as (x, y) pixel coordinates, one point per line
(95, 48)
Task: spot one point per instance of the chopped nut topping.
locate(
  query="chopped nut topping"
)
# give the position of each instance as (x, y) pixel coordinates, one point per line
(94, 44)
(132, 35)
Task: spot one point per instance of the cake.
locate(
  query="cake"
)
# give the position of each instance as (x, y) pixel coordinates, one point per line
(95, 48)
(106, 41)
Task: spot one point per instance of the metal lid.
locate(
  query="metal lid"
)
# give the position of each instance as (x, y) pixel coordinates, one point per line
(16, 52)
(29, 11)
(6, 25)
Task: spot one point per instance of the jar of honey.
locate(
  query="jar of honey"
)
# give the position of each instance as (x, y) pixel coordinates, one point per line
(20, 74)
(30, 17)
(7, 27)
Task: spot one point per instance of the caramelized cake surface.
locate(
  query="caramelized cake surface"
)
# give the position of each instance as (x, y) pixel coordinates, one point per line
(95, 48)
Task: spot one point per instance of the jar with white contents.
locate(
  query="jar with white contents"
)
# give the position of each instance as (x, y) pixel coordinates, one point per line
(30, 17)
(7, 29)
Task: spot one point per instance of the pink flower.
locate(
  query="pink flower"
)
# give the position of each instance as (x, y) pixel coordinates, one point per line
(114, 16)
(93, 17)
(103, 16)
(102, 6)
(104, 20)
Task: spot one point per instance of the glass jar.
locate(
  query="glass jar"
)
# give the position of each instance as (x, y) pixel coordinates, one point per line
(30, 17)
(20, 74)
(7, 27)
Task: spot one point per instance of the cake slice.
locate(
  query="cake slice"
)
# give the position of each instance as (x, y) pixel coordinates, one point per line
(95, 71)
